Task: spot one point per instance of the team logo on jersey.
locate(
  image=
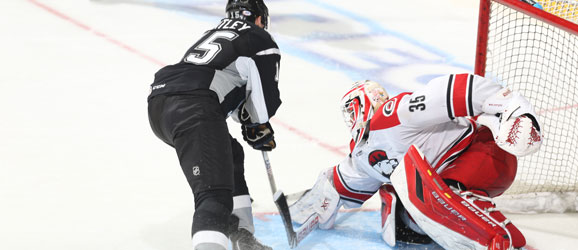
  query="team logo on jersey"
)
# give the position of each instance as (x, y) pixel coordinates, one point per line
(379, 161)
(389, 107)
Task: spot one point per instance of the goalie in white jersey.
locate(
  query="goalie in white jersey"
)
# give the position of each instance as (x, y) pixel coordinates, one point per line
(469, 130)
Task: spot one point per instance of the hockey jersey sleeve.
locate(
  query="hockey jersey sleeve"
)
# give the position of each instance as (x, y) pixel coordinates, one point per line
(259, 65)
(445, 98)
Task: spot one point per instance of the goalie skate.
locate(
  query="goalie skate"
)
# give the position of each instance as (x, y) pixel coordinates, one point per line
(454, 221)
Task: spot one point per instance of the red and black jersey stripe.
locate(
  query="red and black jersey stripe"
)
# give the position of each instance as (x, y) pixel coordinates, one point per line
(456, 149)
(347, 193)
(459, 95)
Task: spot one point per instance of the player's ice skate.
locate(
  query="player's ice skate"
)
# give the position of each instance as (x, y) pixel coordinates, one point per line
(486, 89)
(242, 239)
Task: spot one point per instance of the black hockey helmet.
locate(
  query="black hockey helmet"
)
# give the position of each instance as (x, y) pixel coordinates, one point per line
(248, 10)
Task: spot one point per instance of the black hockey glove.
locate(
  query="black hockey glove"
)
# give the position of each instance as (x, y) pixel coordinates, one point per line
(259, 136)
(244, 116)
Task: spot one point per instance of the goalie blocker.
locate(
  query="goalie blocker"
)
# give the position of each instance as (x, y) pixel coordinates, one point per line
(454, 219)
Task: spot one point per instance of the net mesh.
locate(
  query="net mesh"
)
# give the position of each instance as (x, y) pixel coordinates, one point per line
(540, 61)
(563, 8)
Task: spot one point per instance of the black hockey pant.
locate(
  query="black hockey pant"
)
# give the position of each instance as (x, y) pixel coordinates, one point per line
(210, 158)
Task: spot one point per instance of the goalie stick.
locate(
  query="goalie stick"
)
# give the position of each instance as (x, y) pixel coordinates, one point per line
(294, 237)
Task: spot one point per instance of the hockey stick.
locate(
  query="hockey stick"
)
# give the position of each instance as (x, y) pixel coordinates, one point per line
(269, 172)
(279, 198)
(293, 236)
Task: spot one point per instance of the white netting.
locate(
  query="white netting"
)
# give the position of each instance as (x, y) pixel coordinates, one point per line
(541, 61)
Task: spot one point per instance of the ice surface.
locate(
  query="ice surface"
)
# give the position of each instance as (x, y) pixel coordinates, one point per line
(81, 169)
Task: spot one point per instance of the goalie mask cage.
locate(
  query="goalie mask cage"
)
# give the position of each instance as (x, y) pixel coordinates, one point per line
(535, 51)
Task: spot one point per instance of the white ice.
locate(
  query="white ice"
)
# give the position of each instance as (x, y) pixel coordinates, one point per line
(79, 165)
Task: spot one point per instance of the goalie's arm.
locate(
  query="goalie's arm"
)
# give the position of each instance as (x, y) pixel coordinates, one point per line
(446, 98)
(504, 111)
(462, 95)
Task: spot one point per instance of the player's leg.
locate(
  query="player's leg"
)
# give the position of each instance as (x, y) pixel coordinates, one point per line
(485, 170)
(389, 201)
(396, 223)
(454, 219)
(156, 107)
(342, 185)
(484, 166)
(241, 199)
(196, 127)
(354, 187)
(241, 222)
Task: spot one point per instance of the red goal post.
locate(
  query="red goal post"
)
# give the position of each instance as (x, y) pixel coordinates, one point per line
(535, 51)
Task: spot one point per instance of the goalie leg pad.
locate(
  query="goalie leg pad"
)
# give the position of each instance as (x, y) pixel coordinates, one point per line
(396, 224)
(322, 200)
(463, 224)
(388, 203)
(484, 203)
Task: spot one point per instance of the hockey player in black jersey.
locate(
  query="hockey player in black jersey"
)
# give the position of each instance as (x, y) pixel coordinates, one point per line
(232, 70)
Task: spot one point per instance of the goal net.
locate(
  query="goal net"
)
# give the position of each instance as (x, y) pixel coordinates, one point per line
(535, 51)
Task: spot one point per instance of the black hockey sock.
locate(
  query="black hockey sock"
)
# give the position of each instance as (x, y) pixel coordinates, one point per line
(212, 211)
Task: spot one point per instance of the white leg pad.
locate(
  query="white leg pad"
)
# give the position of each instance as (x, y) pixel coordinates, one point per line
(322, 200)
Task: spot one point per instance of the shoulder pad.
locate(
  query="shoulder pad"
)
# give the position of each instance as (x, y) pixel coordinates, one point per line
(386, 116)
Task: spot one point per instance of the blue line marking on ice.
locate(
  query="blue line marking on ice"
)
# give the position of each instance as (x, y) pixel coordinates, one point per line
(378, 29)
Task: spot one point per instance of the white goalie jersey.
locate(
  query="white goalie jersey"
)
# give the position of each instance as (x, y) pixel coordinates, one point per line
(437, 119)
(442, 119)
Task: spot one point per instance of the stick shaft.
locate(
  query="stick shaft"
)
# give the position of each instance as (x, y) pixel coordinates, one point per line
(269, 172)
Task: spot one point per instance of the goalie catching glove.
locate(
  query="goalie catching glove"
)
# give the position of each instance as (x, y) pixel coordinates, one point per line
(513, 123)
(259, 136)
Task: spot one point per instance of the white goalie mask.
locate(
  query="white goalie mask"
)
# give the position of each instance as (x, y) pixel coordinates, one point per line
(360, 103)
